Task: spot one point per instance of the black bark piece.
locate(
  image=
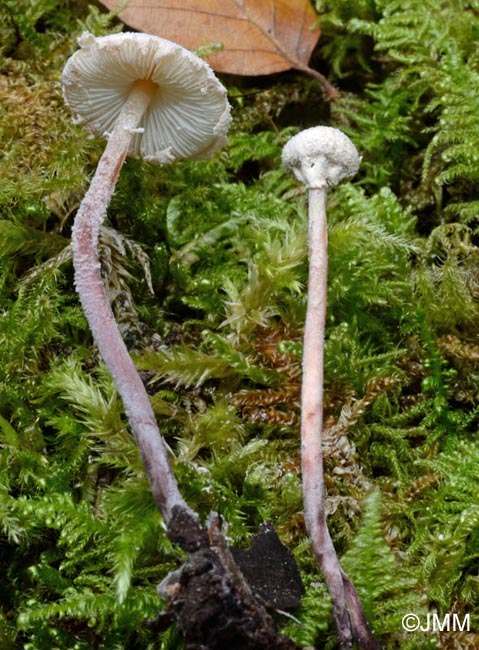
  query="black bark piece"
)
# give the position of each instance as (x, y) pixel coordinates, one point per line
(209, 599)
(271, 570)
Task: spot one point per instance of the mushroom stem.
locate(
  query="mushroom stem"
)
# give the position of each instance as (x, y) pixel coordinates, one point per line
(95, 303)
(312, 412)
(347, 609)
(313, 371)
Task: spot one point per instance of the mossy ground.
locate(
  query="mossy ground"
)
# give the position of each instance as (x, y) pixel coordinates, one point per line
(206, 270)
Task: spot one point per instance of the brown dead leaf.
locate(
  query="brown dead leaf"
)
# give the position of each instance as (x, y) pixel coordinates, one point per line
(258, 36)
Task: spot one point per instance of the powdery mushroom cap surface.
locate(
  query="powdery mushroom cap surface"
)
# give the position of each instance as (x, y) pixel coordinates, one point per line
(189, 114)
(321, 157)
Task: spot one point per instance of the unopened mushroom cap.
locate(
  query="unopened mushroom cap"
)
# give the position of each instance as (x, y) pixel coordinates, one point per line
(321, 157)
(188, 116)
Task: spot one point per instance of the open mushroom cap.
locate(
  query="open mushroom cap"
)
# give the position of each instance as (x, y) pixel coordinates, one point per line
(321, 157)
(189, 114)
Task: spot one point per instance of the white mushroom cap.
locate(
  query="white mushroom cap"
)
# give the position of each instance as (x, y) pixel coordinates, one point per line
(321, 157)
(189, 115)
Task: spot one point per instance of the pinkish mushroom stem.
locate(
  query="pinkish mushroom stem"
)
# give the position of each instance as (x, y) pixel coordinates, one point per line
(95, 303)
(159, 101)
(313, 385)
(320, 158)
(312, 412)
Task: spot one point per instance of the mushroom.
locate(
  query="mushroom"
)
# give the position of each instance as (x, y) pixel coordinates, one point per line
(321, 157)
(155, 99)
